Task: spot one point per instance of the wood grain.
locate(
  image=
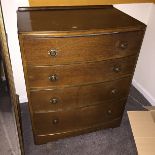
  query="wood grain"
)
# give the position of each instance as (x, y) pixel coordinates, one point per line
(44, 138)
(80, 49)
(79, 74)
(91, 62)
(58, 20)
(77, 119)
(80, 96)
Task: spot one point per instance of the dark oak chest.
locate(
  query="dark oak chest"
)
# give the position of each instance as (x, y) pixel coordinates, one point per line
(78, 65)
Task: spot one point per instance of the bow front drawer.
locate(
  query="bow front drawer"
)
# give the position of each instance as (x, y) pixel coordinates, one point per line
(79, 96)
(64, 50)
(83, 73)
(82, 118)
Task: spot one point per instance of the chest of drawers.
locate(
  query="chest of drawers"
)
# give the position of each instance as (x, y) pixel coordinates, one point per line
(78, 66)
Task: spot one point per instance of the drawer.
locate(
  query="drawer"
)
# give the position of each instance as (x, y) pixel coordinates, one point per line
(77, 74)
(50, 51)
(79, 96)
(82, 118)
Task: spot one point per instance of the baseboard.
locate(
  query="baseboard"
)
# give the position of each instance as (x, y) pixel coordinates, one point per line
(23, 99)
(143, 91)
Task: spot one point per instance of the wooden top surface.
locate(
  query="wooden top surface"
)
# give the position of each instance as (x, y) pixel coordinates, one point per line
(73, 19)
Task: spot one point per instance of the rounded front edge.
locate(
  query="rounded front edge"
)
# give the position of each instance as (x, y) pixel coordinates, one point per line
(43, 139)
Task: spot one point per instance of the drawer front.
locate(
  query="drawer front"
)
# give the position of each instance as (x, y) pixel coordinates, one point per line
(82, 118)
(75, 74)
(50, 51)
(80, 96)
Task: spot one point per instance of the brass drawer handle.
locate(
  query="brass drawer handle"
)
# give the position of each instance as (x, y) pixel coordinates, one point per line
(114, 91)
(53, 52)
(55, 121)
(116, 69)
(53, 77)
(54, 101)
(109, 112)
(123, 45)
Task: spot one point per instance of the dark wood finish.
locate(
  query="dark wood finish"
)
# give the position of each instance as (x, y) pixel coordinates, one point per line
(70, 120)
(79, 49)
(44, 138)
(83, 73)
(75, 19)
(79, 96)
(78, 64)
(64, 8)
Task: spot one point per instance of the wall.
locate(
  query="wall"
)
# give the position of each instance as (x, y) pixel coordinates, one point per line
(144, 74)
(139, 11)
(144, 78)
(9, 13)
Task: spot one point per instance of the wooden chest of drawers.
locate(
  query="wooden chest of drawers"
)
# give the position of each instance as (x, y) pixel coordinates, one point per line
(78, 65)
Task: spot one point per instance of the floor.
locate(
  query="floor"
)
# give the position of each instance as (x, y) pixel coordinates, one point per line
(8, 136)
(117, 141)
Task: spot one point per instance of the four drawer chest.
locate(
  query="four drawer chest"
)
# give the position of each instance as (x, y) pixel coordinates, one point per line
(78, 66)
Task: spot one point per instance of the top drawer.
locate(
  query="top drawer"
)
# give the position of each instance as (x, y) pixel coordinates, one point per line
(63, 50)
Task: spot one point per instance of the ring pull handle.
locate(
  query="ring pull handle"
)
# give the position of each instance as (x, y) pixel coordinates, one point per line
(123, 45)
(116, 69)
(54, 101)
(53, 52)
(55, 121)
(109, 112)
(53, 78)
(114, 91)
